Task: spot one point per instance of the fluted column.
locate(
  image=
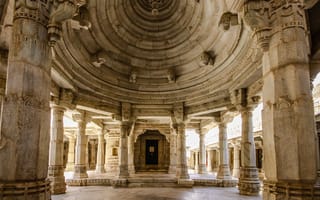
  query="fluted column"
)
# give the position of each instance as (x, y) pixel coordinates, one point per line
(71, 155)
(183, 152)
(56, 168)
(100, 156)
(80, 168)
(123, 154)
(202, 153)
(288, 116)
(224, 168)
(25, 125)
(236, 161)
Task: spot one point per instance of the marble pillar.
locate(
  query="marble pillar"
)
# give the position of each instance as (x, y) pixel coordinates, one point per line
(100, 155)
(111, 153)
(202, 153)
(25, 125)
(209, 160)
(70, 163)
(196, 161)
(56, 150)
(288, 115)
(87, 154)
(131, 166)
(183, 152)
(173, 153)
(80, 167)
(249, 183)
(236, 161)
(224, 168)
(123, 154)
(93, 155)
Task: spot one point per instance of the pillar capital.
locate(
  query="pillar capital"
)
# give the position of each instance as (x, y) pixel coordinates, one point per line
(81, 117)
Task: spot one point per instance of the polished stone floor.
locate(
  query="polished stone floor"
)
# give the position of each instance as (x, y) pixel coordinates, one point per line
(109, 193)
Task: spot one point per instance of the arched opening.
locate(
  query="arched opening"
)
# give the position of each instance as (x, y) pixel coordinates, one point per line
(151, 152)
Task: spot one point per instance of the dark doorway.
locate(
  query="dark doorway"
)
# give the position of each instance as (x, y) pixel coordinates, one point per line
(151, 152)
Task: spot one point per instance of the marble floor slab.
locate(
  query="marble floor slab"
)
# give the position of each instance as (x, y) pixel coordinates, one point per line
(109, 193)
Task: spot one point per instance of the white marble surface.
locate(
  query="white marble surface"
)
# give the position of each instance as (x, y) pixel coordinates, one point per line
(109, 193)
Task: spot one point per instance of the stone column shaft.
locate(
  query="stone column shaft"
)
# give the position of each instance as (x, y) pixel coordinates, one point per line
(236, 161)
(131, 167)
(80, 168)
(209, 166)
(25, 125)
(196, 163)
(123, 154)
(71, 154)
(56, 148)
(173, 153)
(183, 155)
(224, 169)
(100, 157)
(202, 154)
(93, 154)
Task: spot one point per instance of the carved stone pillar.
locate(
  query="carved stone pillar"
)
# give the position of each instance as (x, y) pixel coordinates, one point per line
(87, 155)
(100, 157)
(56, 168)
(236, 161)
(173, 152)
(183, 153)
(196, 161)
(209, 160)
(70, 163)
(112, 155)
(249, 183)
(224, 168)
(123, 154)
(288, 117)
(202, 153)
(131, 167)
(93, 155)
(80, 168)
(25, 125)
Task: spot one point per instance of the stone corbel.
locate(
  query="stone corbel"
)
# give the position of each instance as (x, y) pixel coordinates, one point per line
(206, 58)
(62, 11)
(82, 116)
(256, 16)
(241, 100)
(178, 113)
(171, 76)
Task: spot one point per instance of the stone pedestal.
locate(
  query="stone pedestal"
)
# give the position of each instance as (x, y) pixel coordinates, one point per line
(70, 163)
(202, 153)
(288, 116)
(249, 183)
(123, 154)
(24, 138)
(80, 168)
(56, 168)
(100, 156)
(224, 168)
(183, 153)
(236, 161)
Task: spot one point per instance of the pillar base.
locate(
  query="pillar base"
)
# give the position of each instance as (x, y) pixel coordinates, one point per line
(70, 167)
(185, 182)
(202, 169)
(80, 171)
(184, 173)
(249, 183)
(33, 190)
(100, 169)
(224, 172)
(290, 190)
(57, 179)
(131, 169)
(123, 172)
(120, 182)
(172, 169)
(236, 173)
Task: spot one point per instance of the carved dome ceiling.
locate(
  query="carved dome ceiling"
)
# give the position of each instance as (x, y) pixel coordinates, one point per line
(130, 54)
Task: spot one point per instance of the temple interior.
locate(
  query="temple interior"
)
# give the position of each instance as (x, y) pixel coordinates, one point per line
(159, 99)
